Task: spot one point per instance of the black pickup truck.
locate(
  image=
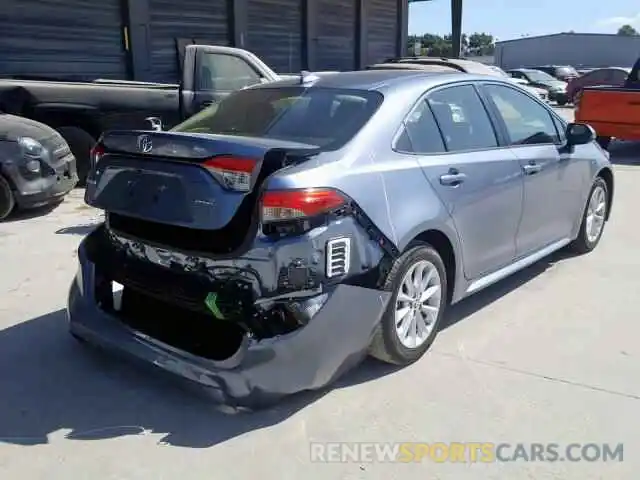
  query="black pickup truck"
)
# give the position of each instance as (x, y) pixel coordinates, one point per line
(81, 111)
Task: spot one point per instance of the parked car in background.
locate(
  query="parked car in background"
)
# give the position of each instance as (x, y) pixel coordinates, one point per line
(81, 111)
(612, 76)
(559, 72)
(37, 167)
(540, 92)
(557, 89)
(582, 71)
(269, 243)
(456, 64)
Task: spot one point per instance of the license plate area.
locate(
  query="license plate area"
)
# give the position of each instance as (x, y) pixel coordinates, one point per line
(152, 196)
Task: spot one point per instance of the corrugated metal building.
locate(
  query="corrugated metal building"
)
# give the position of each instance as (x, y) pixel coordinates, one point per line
(141, 39)
(588, 50)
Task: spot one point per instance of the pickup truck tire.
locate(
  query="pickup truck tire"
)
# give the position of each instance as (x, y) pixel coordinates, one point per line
(80, 143)
(604, 142)
(584, 243)
(7, 200)
(386, 344)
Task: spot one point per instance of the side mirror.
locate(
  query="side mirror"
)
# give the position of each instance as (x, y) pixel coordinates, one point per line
(156, 123)
(580, 134)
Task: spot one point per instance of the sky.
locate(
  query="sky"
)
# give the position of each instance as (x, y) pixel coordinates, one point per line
(507, 19)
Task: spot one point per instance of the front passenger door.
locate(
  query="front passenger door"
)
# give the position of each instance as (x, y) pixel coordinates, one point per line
(552, 181)
(479, 183)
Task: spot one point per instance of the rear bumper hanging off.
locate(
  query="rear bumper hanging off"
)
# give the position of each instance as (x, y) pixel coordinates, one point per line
(262, 371)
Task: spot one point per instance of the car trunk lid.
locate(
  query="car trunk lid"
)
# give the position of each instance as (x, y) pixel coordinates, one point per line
(197, 181)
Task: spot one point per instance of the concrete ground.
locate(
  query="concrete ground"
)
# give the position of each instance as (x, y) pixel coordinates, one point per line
(550, 355)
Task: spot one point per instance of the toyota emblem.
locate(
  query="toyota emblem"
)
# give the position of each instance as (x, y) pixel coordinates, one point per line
(144, 143)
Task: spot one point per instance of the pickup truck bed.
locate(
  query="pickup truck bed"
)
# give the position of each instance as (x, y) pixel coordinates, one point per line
(81, 111)
(614, 112)
(611, 111)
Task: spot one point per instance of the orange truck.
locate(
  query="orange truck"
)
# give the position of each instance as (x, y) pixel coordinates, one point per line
(614, 112)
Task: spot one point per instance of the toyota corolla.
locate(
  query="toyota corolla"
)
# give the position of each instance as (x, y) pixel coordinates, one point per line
(268, 244)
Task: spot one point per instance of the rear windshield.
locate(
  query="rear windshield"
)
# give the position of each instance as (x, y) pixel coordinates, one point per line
(566, 72)
(325, 117)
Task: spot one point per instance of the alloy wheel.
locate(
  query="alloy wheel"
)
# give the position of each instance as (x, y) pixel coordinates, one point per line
(418, 304)
(596, 212)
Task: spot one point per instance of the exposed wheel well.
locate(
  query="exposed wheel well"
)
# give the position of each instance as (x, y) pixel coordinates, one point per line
(441, 243)
(607, 176)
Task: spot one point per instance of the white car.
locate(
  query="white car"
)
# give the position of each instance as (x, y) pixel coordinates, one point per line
(539, 92)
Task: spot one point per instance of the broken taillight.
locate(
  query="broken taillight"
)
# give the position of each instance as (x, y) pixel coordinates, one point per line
(234, 171)
(294, 204)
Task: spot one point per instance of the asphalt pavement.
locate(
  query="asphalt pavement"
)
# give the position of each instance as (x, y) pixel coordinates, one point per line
(549, 356)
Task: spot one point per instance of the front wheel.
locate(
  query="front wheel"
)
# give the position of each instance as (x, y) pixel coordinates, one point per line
(593, 218)
(7, 200)
(418, 283)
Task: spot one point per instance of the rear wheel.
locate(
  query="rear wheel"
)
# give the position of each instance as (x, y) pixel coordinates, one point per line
(593, 218)
(80, 143)
(7, 200)
(418, 283)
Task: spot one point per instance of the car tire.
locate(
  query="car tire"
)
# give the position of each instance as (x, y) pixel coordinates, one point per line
(562, 102)
(604, 142)
(388, 345)
(80, 143)
(7, 199)
(589, 238)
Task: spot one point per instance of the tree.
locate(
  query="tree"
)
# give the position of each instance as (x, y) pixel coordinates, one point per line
(627, 31)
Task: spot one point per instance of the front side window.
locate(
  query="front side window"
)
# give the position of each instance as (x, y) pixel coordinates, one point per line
(462, 118)
(224, 72)
(526, 121)
(326, 117)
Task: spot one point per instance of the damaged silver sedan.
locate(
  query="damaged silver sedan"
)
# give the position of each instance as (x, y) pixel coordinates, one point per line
(269, 243)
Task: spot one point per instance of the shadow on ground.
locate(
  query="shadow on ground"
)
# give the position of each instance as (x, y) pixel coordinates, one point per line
(49, 382)
(21, 215)
(84, 229)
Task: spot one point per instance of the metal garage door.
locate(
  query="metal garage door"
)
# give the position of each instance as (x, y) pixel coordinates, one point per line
(72, 39)
(274, 33)
(171, 20)
(382, 30)
(336, 27)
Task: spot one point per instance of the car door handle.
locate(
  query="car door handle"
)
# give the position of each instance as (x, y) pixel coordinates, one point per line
(532, 169)
(452, 179)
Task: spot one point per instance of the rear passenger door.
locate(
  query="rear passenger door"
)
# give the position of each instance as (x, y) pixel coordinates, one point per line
(479, 183)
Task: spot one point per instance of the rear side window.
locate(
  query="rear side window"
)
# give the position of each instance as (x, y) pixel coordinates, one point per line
(326, 117)
(462, 118)
(421, 134)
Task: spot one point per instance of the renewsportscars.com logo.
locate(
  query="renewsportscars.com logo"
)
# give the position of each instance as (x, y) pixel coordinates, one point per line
(464, 452)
